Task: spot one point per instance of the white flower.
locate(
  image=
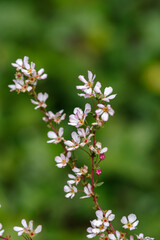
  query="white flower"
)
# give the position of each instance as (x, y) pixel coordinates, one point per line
(54, 137)
(97, 88)
(62, 160)
(84, 134)
(87, 191)
(74, 144)
(107, 92)
(105, 219)
(98, 149)
(104, 111)
(74, 179)
(28, 69)
(70, 190)
(131, 223)
(28, 229)
(88, 93)
(97, 228)
(77, 119)
(41, 100)
(19, 86)
(58, 117)
(40, 74)
(87, 84)
(1, 230)
(80, 171)
(141, 237)
(113, 237)
(20, 63)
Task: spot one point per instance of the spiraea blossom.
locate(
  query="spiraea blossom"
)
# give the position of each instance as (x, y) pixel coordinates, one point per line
(131, 223)
(27, 229)
(87, 191)
(98, 149)
(74, 144)
(87, 84)
(105, 217)
(70, 190)
(141, 237)
(62, 160)
(104, 111)
(55, 137)
(85, 173)
(78, 118)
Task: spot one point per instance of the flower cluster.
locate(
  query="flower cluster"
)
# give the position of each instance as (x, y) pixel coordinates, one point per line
(86, 122)
(26, 231)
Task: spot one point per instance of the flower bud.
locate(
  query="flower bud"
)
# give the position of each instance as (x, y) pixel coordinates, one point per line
(102, 156)
(98, 171)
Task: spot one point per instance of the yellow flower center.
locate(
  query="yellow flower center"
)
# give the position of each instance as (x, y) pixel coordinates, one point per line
(63, 162)
(90, 84)
(105, 109)
(129, 225)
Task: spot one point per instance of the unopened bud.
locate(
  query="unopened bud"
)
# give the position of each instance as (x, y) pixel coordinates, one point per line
(102, 156)
(98, 171)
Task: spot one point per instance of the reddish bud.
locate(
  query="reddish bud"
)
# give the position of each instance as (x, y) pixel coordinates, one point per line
(102, 156)
(98, 171)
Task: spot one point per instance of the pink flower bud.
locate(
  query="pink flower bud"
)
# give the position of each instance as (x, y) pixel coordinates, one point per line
(102, 156)
(98, 171)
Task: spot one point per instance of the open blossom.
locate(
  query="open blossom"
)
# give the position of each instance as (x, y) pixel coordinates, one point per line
(107, 92)
(87, 84)
(74, 179)
(28, 69)
(41, 99)
(19, 86)
(105, 218)
(118, 236)
(78, 118)
(87, 191)
(70, 190)
(104, 111)
(131, 223)
(54, 137)
(85, 136)
(20, 63)
(57, 117)
(28, 229)
(40, 75)
(80, 171)
(1, 230)
(62, 160)
(74, 144)
(97, 228)
(98, 149)
(141, 237)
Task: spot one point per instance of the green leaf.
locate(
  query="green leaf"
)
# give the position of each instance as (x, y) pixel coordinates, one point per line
(99, 184)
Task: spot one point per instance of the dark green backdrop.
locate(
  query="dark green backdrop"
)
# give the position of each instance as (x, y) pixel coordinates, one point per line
(120, 42)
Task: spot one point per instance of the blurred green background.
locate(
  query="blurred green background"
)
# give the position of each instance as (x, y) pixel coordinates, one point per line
(120, 42)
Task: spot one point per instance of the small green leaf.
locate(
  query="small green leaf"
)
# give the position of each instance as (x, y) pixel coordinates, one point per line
(99, 184)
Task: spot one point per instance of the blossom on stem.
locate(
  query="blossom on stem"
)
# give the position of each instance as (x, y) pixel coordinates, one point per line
(104, 111)
(85, 136)
(74, 144)
(97, 228)
(27, 229)
(141, 237)
(87, 191)
(105, 218)
(98, 149)
(117, 236)
(70, 190)
(87, 84)
(20, 63)
(19, 86)
(41, 99)
(1, 230)
(74, 179)
(62, 160)
(80, 171)
(78, 118)
(55, 138)
(131, 223)
(40, 74)
(107, 92)
(28, 69)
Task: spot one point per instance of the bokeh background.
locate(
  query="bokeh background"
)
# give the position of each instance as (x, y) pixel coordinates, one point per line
(120, 42)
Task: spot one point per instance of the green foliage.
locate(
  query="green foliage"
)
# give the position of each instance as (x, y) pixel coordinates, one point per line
(120, 42)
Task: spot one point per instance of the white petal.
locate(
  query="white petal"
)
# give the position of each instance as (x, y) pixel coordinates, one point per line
(41, 71)
(82, 79)
(107, 91)
(132, 217)
(124, 220)
(99, 214)
(52, 134)
(61, 131)
(105, 116)
(24, 223)
(38, 229)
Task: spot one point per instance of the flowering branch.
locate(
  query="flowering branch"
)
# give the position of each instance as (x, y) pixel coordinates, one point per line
(26, 79)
